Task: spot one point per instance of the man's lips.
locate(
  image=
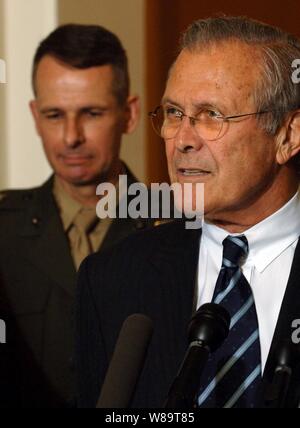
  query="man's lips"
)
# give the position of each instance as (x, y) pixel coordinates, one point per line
(192, 172)
(75, 159)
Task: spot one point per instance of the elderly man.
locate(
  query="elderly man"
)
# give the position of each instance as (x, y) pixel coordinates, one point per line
(82, 108)
(230, 119)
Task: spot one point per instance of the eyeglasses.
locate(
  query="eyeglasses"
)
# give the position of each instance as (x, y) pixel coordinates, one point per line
(208, 123)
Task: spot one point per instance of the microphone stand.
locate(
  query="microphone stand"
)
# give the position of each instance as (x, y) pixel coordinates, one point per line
(207, 330)
(182, 391)
(287, 356)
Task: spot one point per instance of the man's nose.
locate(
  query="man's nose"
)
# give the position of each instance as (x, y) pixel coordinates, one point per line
(187, 138)
(73, 132)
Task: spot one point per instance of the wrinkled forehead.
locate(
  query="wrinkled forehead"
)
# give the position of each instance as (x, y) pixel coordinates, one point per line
(228, 69)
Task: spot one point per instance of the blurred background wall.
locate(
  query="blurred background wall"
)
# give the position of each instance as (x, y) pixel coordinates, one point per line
(2, 106)
(23, 23)
(125, 18)
(149, 30)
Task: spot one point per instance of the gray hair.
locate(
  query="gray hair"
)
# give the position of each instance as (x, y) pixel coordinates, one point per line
(275, 90)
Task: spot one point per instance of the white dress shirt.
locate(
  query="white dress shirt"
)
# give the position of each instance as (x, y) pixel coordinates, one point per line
(272, 244)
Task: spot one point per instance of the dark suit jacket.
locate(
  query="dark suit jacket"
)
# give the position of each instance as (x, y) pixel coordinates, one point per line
(38, 281)
(156, 276)
(8, 372)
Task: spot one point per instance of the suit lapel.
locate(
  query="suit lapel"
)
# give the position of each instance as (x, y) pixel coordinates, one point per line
(167, 298)
(175, 263)
(43, 235)
(290, 310)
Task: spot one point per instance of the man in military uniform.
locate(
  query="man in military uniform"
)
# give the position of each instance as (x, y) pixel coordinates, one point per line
(81, 109)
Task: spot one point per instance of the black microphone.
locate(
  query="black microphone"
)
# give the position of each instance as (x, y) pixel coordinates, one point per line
(207, 330)
(127, 362)
(286, 358)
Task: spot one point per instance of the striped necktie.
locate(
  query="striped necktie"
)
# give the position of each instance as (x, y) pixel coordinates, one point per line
(233, 373)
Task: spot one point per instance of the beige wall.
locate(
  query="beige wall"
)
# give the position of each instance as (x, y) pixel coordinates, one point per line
(2, 102)
(24, 24)
(126, 19)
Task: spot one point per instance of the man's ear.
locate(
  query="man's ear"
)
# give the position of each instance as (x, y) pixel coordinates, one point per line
(35, 115)
(133, 113)
(289, 139)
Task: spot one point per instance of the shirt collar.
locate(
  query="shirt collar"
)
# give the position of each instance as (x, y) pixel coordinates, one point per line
(267, 239)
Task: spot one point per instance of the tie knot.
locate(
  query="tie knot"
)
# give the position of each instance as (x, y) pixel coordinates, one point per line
(85, 219)
(235, 248)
